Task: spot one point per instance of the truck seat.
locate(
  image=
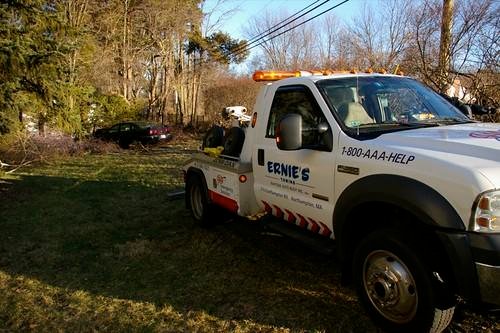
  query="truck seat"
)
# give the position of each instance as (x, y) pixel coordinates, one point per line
(354, 114)
(340, 95)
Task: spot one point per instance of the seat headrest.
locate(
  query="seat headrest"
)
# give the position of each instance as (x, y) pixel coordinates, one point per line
(354, 114)
(341, 95)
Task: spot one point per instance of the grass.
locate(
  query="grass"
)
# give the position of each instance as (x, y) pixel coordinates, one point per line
(93, 243)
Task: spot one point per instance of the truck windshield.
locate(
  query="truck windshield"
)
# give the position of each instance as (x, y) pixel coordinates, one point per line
(370, 104)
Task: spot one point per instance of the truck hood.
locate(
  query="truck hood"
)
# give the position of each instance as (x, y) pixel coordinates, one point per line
(474, 145)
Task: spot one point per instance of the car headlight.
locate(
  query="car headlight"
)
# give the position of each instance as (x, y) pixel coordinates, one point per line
(486, 212)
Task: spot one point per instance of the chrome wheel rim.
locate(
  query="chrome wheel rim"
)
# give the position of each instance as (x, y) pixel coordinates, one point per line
(390, 286)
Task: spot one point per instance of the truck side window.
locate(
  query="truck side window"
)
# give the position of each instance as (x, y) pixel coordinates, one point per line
(296, 99)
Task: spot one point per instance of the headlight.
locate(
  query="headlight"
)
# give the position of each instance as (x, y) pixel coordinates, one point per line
(486, 212)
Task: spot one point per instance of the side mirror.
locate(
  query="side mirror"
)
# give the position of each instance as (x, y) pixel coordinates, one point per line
(326, 136)
(289, 132)
(322, 128)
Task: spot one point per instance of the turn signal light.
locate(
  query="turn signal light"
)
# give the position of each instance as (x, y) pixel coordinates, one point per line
(243, 178)
(486, 216)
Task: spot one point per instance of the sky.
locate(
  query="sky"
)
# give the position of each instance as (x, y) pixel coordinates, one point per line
(234, 15)
(243, 11)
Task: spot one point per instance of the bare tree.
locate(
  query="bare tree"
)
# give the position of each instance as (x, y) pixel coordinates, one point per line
(292, 50)
(473, 50)
(329, 40)
(379, 40)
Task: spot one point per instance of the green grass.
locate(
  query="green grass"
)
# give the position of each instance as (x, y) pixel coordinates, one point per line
(92, 243)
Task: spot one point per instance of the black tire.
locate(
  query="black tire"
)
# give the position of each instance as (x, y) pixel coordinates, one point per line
(396, 286)
(124, 144)
(197, 200)
(234, 141)
(213, 138)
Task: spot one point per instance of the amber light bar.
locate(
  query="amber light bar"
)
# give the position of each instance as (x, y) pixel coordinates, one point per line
(260, 76)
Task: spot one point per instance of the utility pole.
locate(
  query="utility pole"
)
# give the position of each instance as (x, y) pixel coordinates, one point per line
(444, 46)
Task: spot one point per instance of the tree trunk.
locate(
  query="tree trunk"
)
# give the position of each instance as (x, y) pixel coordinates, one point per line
(165, 89)
(125, 68)
(444, 46)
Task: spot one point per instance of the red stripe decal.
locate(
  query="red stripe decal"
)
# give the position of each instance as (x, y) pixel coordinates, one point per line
(267, 207)
(279, 212)
(325, 232)
(314, 226)
(291, 216)
(223, 201)
(303, 222)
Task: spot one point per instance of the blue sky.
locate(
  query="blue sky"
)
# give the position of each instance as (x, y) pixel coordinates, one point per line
(234, 15)
(245, 10)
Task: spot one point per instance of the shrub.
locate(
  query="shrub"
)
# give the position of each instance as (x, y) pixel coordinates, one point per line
(21, 149)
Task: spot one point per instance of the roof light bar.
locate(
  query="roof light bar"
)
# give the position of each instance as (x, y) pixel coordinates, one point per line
(260, 76)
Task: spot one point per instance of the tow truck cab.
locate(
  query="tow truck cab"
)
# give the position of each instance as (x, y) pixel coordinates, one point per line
(407, 186)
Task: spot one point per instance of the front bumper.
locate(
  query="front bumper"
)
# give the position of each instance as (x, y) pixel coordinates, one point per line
(489, 286)
(475, 264)
(486, 254)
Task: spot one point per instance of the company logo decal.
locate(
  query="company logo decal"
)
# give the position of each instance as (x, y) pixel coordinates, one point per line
(293, 172)
(220, 179)
(486, 135)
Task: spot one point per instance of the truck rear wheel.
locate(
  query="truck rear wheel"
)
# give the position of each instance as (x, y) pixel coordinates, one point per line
(396, 286)
(197, 200)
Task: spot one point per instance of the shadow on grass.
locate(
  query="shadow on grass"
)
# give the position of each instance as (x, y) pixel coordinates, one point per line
(126, 241)
(88, 255)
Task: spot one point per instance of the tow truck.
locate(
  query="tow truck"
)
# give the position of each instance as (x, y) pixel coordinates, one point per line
(404, 186)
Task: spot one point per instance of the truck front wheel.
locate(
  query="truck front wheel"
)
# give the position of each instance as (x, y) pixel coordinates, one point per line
(396, 286)
(197, 200)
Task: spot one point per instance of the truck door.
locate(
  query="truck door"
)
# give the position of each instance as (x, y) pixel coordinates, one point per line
(297, 186)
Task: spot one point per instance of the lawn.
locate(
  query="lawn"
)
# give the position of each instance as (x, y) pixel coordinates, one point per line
(94, 243)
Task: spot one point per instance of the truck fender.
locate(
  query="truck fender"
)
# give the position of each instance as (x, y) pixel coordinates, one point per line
(426, 204)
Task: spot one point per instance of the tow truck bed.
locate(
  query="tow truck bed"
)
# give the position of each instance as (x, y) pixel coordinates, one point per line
(229, 182)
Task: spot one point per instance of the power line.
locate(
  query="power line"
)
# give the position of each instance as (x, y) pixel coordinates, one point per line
(242, 49)
(236, 53)
(283, 23)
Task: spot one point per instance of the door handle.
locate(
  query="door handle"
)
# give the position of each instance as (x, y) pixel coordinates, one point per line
(260, 156)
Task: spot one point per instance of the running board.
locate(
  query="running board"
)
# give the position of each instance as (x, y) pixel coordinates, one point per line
(314, 242)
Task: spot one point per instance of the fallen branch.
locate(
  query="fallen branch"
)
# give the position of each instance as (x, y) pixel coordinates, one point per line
(3, 165)
(16, 167)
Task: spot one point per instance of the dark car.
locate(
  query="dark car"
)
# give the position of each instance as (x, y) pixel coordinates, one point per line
(134, 131)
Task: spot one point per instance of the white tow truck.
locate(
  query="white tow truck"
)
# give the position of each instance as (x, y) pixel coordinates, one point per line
(405, 186)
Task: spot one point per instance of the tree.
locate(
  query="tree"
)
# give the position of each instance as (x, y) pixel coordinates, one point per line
(471, 22)
(445, 45)
(218, 48)
(292, 50)
(31, 51)
(226, 90)
(380, 40)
